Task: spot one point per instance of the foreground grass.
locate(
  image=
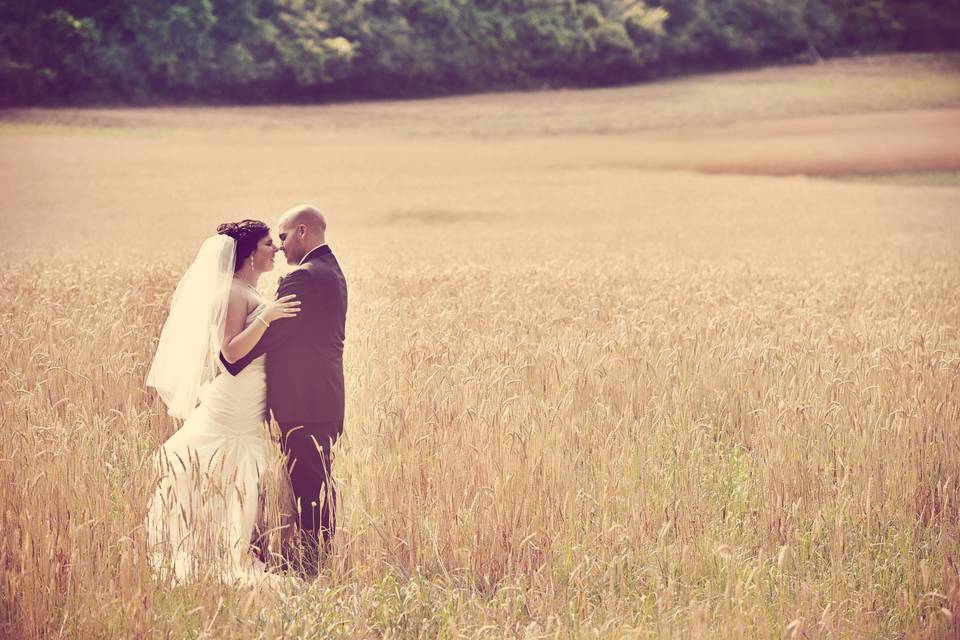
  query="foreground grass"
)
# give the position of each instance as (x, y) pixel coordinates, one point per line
(554, 431)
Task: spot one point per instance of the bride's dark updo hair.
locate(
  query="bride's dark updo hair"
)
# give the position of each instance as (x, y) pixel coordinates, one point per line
(247, 233)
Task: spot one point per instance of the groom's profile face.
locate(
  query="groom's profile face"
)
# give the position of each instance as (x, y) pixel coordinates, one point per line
(291, 242)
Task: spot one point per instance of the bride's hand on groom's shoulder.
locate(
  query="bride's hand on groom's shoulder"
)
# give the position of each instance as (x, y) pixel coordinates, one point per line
(283, 307)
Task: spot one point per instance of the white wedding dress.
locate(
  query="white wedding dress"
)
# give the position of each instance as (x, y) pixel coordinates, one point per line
(201, 519)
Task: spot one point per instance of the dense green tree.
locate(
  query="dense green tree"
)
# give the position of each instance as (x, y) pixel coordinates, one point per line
(727, 33)
(268, 50)
(925, 25)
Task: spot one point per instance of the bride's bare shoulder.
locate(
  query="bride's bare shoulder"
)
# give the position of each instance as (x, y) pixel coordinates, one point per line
(240, 301)
(237, 292)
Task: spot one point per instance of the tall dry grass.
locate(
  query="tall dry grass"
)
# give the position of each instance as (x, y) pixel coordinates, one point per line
(591, 434)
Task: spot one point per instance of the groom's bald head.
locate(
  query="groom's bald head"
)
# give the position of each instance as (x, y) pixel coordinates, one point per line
(301, 229)
(307, 215)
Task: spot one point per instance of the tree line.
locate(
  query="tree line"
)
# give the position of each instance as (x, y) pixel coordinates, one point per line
(237, 51)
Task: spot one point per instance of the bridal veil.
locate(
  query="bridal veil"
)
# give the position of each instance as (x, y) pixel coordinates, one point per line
(190, 341)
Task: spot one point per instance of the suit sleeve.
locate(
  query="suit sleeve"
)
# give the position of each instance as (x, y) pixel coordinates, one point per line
(281, 330)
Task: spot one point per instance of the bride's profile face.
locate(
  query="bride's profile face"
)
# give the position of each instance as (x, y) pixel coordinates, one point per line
(263, 256)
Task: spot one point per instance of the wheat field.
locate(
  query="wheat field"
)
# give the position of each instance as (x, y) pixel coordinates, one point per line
(584, 399)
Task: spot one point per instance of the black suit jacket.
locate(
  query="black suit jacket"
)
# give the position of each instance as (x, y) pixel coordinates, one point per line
(305, 353)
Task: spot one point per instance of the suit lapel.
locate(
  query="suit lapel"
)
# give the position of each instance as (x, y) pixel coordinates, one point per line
(316, 254)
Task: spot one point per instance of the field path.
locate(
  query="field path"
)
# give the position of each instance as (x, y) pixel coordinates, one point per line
(823, 145)
(885, 142)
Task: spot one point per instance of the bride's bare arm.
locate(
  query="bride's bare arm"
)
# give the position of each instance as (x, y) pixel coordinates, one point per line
(239, 340)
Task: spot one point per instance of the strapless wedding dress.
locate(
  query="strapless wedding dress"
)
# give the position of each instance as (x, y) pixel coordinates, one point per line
(203, 513)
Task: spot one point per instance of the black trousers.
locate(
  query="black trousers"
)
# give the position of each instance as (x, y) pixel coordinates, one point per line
(308, 450)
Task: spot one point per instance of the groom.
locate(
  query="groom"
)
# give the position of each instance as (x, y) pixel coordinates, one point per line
(305, 372)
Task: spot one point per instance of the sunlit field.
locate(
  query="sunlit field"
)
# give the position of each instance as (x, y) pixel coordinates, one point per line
(606, 377)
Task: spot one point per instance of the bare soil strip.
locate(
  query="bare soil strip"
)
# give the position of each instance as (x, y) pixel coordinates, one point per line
(906, 141)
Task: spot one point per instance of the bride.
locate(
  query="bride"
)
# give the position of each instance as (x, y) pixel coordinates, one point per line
(202, 516)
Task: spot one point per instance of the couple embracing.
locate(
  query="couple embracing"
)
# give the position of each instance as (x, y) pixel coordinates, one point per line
(282, 356)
